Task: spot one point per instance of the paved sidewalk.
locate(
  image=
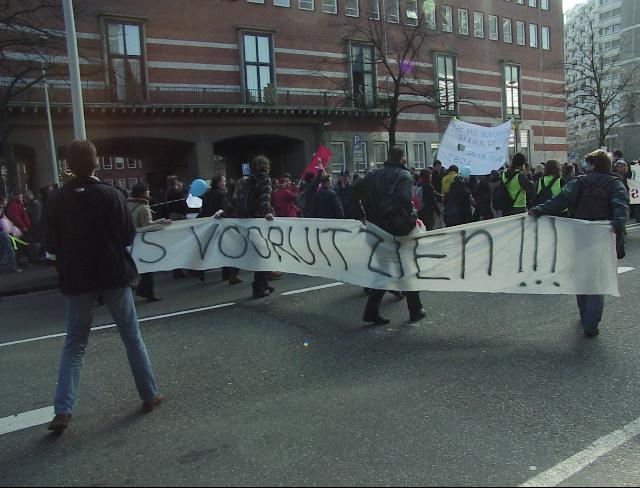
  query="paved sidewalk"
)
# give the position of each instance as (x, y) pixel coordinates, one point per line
(34, 277)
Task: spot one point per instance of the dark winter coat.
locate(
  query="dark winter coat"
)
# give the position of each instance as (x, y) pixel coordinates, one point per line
(215, 199)
(89, 227)
(570, 195)
(326, 205)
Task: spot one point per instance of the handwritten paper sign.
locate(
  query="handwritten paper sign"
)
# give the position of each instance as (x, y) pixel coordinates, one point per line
(484, 149)
(634, 185)
(511, 255)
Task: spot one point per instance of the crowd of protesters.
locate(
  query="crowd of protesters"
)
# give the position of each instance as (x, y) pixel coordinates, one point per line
(88, 225)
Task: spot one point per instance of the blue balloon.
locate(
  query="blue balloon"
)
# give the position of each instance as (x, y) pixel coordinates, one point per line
(198, 188)
(465, 172)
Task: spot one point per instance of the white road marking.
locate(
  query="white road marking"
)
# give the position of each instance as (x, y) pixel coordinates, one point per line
(313, 288)
(26, 420)
(624, 269)
(110, 326)
(581, 460)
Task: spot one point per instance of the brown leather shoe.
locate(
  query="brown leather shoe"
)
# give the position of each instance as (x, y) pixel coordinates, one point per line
(60, 423)
(151, 405)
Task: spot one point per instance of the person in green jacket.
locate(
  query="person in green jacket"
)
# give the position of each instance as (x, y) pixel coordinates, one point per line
(520, 188)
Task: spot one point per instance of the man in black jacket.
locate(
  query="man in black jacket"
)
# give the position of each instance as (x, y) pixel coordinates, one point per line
(326, 204)
(394, 182)
(598, 195)
(89, 228)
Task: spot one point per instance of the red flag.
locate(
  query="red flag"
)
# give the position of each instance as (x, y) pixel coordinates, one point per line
(320, 159)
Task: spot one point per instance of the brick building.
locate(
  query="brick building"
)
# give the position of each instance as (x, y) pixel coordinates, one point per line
(194, 87)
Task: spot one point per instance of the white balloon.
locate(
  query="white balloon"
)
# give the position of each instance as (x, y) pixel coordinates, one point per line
(194, 202)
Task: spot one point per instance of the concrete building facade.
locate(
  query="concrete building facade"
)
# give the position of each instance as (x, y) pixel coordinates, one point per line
(616, 36)
(199, 87)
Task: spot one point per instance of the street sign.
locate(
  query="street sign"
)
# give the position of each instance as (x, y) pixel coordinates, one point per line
(357, 142)
(358, 153)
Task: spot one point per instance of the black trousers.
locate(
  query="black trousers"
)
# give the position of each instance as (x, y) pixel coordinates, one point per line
(260, 280)
(146, 286)
(372, 309)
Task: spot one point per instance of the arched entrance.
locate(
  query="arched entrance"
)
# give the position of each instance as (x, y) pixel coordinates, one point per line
(287, 154)
(126, 161)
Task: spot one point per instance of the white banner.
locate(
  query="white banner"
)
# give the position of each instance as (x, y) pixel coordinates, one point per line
(516, 254)
(634, 185)
(484, 149)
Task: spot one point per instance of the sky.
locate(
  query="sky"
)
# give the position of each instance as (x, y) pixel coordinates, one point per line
(569, 4)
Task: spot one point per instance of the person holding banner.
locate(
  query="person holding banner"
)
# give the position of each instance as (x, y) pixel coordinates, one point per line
(598, 195)
(254, 201)
(142, 217)
(388, 204)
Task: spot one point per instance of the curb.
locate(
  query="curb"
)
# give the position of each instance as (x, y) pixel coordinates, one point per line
(26, 291)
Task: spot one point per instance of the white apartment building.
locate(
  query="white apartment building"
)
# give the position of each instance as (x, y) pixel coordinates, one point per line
(615, 26)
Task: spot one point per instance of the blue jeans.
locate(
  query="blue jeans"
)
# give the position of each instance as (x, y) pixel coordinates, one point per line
(7, 248)
(79, 311)
(591, 309)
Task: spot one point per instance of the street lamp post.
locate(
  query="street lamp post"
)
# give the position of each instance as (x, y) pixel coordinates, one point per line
(52, 143)
(74, 71)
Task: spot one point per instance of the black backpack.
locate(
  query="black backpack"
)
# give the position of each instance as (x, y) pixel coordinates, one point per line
(594, 201)
(546, 192)
(501, 199)
(393, 215)
(245, 202)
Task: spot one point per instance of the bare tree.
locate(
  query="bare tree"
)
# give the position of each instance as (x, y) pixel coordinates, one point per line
(401, 54)
(27, 44)
(599, 85)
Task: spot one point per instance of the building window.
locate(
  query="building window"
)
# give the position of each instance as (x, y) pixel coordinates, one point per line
(258, 68)
(478, 24)
(361, 165)
(126, 61)
(282, 3)
(447, 19)
(507, 33)
(546, 38)
(419, 153)
(352, 8)
(306, 5)
(255, 1)
(512, 90)
(544, 4)
(133, 182)
(412, 12)
(393, 11)
(532, 3)
(132, 163)
(463, 22)
(122, 183)
(107, 162)
(373, 9)
(494, 34)
(119, 163)
(363, 77)
(330, 6)
(380, 152)
(521, 2)
(338, 160)
(533, 35)
(520, 33)
(430, 14)
(446, 83)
